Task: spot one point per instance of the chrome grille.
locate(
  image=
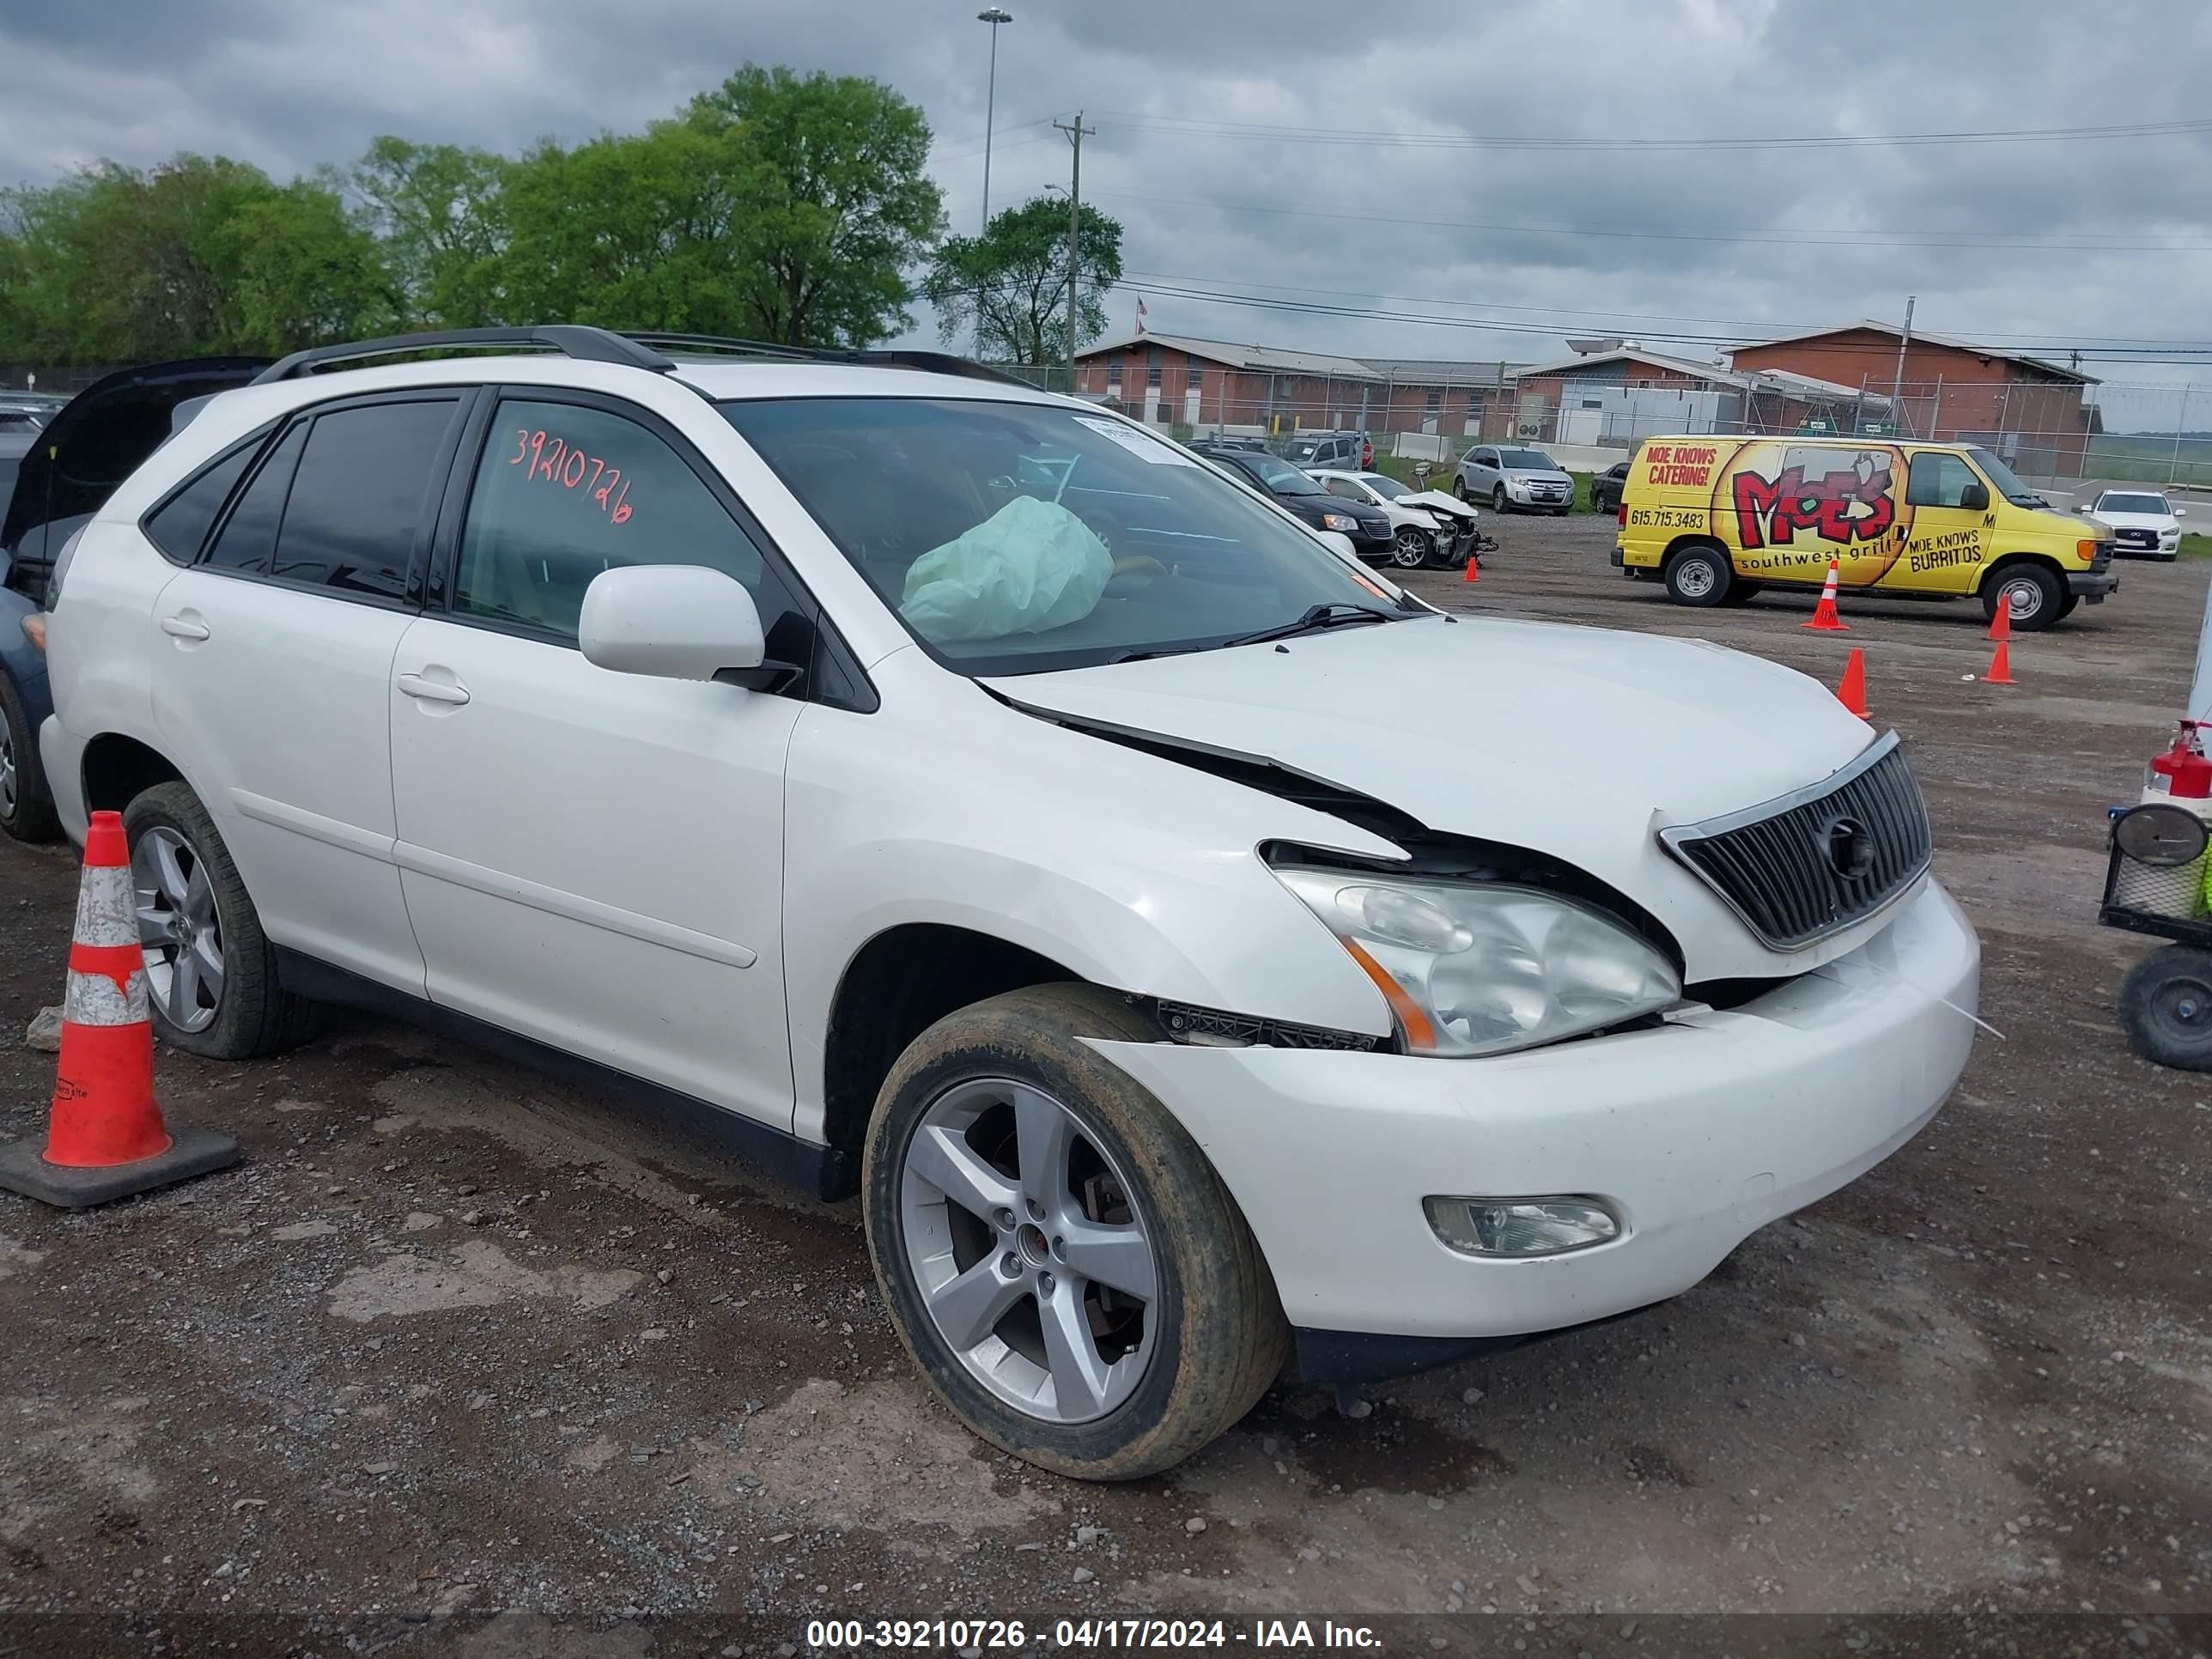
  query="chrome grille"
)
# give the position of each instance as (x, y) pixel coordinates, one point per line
(1797, 869)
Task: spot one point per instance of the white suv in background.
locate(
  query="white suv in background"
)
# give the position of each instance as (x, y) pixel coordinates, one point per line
(962, 798)
(2144, 523)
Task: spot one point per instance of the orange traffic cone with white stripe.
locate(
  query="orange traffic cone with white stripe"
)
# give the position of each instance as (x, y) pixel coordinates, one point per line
(105, 1137)
(1473, 570)
(1824, 619)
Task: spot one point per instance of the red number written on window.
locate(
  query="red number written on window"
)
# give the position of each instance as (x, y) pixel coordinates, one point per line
(557, 462)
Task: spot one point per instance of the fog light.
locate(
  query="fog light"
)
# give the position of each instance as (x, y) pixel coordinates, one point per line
(1521, 1226)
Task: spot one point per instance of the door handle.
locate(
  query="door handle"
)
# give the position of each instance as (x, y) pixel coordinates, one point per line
(428, 690)
(184, 627)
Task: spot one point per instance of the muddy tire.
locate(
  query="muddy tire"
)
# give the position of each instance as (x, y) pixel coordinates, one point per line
(27, 811)
(180, 868)
(1699, 576)
(982, 1292)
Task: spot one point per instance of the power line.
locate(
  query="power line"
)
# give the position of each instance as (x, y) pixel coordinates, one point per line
(1191, 127)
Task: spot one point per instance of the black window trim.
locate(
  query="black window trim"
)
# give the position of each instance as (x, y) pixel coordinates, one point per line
(273, 437)
(460, 484)
(253, 441)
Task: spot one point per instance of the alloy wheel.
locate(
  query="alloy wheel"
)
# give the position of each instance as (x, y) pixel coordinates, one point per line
(8, 783)
(1025, 1245)
(1412, 549)
(179, 928)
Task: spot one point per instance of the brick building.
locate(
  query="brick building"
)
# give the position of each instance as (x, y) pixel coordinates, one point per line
(2031, 412)
(1619, 395)
(1183, 380)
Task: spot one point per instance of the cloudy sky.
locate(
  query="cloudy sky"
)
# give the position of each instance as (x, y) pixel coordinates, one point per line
(1237, 143)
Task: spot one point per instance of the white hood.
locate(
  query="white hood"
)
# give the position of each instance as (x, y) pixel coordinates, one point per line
(1576, 742)
(2157, 521)
(1436, 501)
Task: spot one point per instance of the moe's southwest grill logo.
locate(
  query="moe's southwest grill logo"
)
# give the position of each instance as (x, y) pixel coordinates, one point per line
(1838, 496)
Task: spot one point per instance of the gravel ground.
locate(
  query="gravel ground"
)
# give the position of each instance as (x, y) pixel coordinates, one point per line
(457, 1343)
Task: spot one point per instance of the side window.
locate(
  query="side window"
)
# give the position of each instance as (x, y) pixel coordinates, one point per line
(563, 492)
(249, 535)
(180, 525)
(1344, 488)
(1938, 480)
(357, 500)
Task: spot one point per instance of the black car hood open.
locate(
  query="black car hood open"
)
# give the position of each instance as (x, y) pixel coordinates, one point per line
(99, 440)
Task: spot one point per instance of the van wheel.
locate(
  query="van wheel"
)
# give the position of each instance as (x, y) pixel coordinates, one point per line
(210, 971)
(1699, 576)
(1057, 1255)
(26, 812)
(2033, 593)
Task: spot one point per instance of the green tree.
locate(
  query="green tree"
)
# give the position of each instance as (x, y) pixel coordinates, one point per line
(1012, 281)
(441, 212)
(837, 202)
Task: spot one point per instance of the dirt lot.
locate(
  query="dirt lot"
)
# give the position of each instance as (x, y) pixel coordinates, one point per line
(454, 1340)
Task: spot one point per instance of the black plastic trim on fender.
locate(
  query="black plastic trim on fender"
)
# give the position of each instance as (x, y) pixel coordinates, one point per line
(826, 1172)
(1350, 1357)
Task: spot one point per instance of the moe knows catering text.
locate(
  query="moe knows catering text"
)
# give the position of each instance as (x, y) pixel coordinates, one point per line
(1679, 463)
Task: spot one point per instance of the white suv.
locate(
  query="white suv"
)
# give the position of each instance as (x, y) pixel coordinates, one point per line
(961, 797)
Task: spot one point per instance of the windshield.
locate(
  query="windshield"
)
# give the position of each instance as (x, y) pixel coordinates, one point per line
(2151, 504)
(1527, 461)
(1388, 488)
(2003, 479)
(1013, 538)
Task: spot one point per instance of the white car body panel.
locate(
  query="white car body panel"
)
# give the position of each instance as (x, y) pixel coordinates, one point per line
(2165, 527)
(673, 879)
(1400, 513)
(1444, 505)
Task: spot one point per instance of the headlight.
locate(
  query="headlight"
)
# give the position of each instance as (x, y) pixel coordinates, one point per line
(1343, 521)
(1471, 967)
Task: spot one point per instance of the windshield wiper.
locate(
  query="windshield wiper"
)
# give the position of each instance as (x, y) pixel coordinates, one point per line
(1336, 614)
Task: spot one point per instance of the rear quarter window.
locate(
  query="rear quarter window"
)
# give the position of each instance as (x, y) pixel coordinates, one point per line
(180, 525)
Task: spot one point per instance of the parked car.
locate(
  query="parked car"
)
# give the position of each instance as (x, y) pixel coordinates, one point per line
(1606, 488)
(1425, 531)
(1350, 451)
(1716, 518)
(1098, 876)
(1298, 493)
(1510, 475)
(2144, 523)
(51, 479)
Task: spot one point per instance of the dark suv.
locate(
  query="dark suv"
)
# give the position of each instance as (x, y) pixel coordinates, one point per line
(1366, 527)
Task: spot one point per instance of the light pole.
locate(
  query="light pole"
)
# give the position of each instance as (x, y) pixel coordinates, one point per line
(994, 15)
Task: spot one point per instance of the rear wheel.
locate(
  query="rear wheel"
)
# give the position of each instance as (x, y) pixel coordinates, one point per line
(1699, 576)
(210, 971)
(2033, 593)
(1058, 1255)
(27, 811)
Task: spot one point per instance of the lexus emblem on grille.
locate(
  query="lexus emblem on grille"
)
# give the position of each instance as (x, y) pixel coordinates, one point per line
(1848, 848)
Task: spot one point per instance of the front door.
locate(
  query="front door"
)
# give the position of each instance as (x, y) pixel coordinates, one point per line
(1946, 541)
(594, 860)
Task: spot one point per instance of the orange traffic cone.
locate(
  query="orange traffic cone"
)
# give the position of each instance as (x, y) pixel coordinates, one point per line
(2001, 664)
(1473, 569)
(1824, 619)
(1852, 692)
(105, 1137)
(2001, 624)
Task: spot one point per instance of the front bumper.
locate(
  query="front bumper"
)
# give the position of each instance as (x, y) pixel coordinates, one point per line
(1696, 1134)
(2092, 585)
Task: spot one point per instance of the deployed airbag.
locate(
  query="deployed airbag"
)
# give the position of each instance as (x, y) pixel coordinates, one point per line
(1030, 566)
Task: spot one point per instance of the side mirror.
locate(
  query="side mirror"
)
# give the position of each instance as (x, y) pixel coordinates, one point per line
(1975, 498)
(2180, 512)
(673, 621)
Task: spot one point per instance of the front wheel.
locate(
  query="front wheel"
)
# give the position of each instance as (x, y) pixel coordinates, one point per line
(1498, 499)
(1699, 576)
(1057, 1255)
(1412, 547)
(2034, 594)
(2166, 1004)
(210, 971)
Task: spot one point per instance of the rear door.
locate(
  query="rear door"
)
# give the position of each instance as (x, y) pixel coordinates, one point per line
(272, 664)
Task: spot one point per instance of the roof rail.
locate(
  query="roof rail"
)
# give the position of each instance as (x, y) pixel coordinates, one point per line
(933, 362)
(597, 345)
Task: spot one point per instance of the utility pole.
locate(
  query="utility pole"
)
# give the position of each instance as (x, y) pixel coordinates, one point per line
(1897, 385)
(1075, 137)
(994, 15)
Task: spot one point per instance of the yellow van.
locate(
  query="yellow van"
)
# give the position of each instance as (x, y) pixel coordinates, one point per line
(1717, 519)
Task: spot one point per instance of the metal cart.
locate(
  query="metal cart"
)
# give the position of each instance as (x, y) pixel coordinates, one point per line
(2155, 885)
